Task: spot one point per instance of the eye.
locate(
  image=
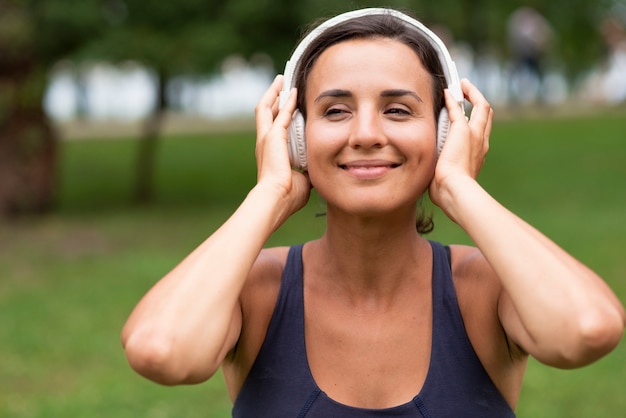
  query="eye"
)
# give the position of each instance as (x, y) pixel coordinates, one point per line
(332, 111)
(398, 111)
(336, 113)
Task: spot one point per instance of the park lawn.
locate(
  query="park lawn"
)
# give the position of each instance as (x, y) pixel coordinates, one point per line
(69, 280)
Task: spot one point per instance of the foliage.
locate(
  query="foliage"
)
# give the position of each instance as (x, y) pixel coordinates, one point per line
(196, 35)
(64, 26)
(169, 37)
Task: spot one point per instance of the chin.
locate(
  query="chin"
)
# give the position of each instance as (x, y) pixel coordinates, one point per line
(374, 207)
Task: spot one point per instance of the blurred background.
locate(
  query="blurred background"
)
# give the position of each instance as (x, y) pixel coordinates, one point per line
(65, 63)
(127, 137)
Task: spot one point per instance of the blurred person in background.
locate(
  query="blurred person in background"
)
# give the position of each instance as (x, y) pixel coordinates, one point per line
(606, 82)
(614, 74)
(530, 37)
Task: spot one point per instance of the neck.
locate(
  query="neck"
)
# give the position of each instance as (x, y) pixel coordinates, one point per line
(370, 259)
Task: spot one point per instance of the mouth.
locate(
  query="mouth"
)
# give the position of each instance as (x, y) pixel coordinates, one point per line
(368, 169)
(368, 164)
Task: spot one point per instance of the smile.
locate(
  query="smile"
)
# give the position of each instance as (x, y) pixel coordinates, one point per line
(368, 169)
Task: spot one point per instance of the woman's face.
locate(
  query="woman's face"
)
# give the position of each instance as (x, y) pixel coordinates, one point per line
(370, 126)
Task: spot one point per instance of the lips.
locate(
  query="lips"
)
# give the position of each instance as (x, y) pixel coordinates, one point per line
(368, 169)
(369, 164)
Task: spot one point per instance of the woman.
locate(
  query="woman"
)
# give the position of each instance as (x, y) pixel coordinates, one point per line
(372, 319)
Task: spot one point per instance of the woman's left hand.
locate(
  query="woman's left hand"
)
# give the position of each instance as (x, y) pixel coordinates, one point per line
(466, 146)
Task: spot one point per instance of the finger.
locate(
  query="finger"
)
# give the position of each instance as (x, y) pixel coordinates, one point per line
(481, 120)
(455, 112)
(280, 125)
(481, 109)
(286, 112)
(277, 134)
(489, 125)
(267, 106)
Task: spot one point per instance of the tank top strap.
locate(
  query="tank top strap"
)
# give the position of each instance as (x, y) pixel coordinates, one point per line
(285, 338)
(288, 317)
(457, 380)
(280, 381)
(446, 312)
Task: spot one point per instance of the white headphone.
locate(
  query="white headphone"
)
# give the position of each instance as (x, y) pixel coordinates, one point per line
(296, 140)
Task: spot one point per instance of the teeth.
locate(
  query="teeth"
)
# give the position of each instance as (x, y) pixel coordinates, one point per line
(366, 167)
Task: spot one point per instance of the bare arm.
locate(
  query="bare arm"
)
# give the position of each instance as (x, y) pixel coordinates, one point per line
(183, 328)
(553, 306)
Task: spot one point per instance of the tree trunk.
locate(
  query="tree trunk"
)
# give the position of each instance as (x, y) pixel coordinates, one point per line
(148, 147)
(27, 163)
(28, 143)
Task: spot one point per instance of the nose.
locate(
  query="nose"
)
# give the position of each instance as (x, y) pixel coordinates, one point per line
(367, 130)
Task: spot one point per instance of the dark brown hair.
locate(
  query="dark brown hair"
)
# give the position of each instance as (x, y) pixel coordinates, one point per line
(377, 26)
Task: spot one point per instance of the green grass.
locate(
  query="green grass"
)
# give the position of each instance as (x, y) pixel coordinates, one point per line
(69, 280)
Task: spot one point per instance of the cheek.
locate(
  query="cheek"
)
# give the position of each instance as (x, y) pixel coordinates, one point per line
(322, 141)
(417, 140)
(322, 149)
(317, 163)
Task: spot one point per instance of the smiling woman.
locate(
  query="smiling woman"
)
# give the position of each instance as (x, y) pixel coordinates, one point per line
(372, 319)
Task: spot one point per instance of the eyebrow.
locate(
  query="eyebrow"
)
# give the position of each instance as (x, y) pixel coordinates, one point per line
(333, 93)
(400, 93)
(384, 93)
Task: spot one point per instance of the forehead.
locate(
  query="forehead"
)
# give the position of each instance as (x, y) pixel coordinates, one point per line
(367, 63)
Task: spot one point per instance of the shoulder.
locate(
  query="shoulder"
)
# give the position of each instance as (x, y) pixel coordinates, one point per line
(469, 265)
(268, 268)
(479, 292)
(260, 292)
(257, 301)
(477, 286)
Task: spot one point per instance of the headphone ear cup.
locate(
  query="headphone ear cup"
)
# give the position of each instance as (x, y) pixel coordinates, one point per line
(296, 142)
(443, 126)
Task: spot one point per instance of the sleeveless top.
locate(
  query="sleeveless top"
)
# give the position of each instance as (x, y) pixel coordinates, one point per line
(280, 383)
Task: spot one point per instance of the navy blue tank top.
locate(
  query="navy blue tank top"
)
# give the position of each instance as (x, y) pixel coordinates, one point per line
(280, 383)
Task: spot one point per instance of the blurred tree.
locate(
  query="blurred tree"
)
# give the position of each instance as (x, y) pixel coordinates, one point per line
(169, 38)
(186, 37)
(33, 35)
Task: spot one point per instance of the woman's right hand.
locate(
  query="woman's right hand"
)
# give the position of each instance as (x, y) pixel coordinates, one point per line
(273, 167)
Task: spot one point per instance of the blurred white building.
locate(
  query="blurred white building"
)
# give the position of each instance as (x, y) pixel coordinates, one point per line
(128, 92)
